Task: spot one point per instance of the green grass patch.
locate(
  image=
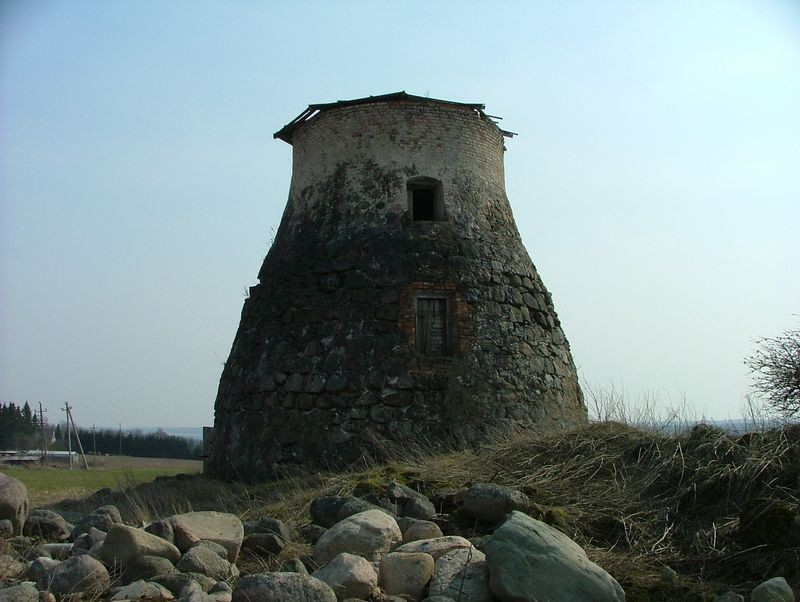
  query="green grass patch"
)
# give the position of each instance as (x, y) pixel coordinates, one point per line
(51, 485)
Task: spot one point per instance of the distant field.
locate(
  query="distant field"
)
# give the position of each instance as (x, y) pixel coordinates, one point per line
(54, 483)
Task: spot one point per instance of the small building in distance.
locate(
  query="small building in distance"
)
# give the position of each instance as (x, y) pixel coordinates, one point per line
(397, 301)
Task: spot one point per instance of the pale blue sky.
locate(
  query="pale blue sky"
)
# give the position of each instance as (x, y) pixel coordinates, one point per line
(655, 179)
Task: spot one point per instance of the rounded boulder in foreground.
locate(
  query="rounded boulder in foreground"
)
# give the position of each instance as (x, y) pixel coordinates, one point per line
(13, 502)
(282, 587)
(529, 560)
(367, 534)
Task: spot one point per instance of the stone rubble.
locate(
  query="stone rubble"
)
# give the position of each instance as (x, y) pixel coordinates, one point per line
(362, 556)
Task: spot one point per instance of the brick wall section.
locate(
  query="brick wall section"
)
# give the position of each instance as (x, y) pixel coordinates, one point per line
(324, 367)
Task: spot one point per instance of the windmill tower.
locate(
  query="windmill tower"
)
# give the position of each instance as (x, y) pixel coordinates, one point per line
(397, 300)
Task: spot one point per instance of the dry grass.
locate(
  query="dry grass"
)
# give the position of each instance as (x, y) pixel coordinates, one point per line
(636, 499)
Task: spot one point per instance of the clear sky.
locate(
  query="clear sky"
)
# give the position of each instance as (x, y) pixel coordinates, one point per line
(655, 179)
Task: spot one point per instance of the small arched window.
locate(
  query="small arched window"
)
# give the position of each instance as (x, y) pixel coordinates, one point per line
(425, 200)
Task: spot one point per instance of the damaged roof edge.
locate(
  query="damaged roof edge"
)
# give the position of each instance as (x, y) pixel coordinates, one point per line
(285, 133)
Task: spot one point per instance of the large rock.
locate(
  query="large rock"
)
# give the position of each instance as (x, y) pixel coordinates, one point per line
(406, 574)
(461, 574)
(10, 568)
(102, 519)
(124, 543)
(204, 560)
(348, 576)
(143, 590)
(260, 543)
(80, 575)
(490, 503)
(437, 546)
(409, 502)
(529, 560)
(421, 529)
(367, 534)
(47, 525)
(276, 526)
(146, 567)
(328, 510)
(39, 570)
(177, 582)
(87, 540)
(24, 592)
(282, 587)
(773, 590)
(222, 528)
(13, 502)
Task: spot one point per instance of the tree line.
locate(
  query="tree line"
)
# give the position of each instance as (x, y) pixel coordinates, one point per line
(20, 430)
(18, 425)
(130, 443)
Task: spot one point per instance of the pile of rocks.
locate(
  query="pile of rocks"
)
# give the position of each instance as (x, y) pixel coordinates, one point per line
(387, 547)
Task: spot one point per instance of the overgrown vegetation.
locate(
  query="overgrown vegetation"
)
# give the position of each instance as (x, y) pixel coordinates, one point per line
(717, 508)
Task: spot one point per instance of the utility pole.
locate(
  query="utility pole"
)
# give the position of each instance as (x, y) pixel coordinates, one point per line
(69, 434)
(94, 446)
(120, 439)
(41, 430)
(77, 437)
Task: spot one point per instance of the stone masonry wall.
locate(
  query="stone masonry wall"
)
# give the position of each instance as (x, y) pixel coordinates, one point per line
(324, 367)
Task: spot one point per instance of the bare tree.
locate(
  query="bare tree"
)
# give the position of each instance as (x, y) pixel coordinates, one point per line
(775, 368)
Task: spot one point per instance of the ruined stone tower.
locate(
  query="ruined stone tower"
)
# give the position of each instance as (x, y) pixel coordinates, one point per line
(397, 300)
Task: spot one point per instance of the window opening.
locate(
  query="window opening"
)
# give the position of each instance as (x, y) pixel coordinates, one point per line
(432, 326)
(425, 200)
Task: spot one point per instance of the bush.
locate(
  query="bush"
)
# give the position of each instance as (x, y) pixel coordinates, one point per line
(775, 368)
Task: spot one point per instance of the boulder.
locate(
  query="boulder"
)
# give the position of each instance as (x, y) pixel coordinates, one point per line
(421, 508)
(13, 502)
(367, 534)
(38, 571)
(102, 519)
(294, 565)
(80, 575)
(324, 509)
(328, 510)
(214, 547)
(311, 532)
(24, 592)
(490, 503)
(176, 582)
(204, 560)
(162, 529)
(421, 529)
(47, 525)
(89, 539)
(437, 546)
(124, 543)
(406, 574)
(10, 568)
(529, 560)
(147, 567)
(222, 528)
(275, 526)
(461, 574)
(409, 502)
(282, 587)
(143, 590)
(348, 576)
(260, 543)
(772, 590)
